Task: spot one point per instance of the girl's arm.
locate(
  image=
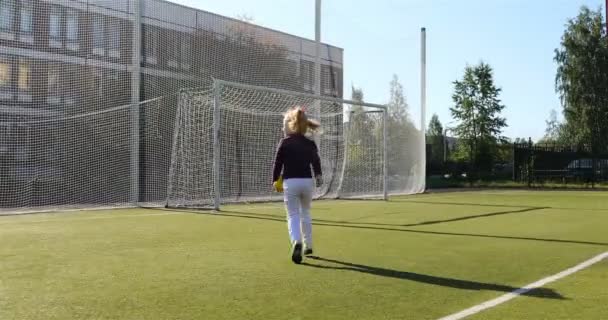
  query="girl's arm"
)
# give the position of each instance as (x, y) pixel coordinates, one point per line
(278, 163)
(316, 165)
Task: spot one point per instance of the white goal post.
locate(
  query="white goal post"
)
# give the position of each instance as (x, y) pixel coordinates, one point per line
(225, 139)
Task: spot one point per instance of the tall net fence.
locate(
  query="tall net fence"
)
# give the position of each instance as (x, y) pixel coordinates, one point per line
(89, 95)
(71, 69)
(73, 161)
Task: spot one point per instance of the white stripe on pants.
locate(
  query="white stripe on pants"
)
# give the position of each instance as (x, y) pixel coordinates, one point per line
(298, 199)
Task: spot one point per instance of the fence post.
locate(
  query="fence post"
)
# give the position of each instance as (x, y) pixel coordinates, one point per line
(135, 90)
(384, 155)
(530, 162)
(593, 167)
(217, 90)
(513, 159)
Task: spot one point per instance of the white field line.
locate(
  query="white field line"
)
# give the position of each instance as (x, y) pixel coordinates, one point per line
(512, 295)
(61, 219)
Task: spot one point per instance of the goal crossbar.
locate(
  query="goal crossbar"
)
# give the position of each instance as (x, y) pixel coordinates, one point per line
(220, 83)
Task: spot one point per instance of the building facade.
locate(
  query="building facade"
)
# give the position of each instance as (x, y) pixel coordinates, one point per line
(64, 58)
(59, 55)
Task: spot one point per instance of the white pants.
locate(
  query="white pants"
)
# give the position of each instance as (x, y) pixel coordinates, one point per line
(298, 199)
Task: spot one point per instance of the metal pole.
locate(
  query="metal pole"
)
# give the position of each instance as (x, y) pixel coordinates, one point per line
(318, 47)
(423, 101)
(530, 164)
(317, 104)
(445, 146)
(385, 154)
(217, 89)
(347, 132)
(135, 90)
(171, 198)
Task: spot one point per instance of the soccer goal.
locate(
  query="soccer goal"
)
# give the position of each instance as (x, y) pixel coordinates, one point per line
(226, 137)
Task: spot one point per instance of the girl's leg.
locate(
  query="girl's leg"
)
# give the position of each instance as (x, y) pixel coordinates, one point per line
(305, 205)
(292, 203)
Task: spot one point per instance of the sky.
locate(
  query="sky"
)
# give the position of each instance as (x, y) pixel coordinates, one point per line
(380, 38)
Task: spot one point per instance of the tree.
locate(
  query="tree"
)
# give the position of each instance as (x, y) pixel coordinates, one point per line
(553, 132)
(477, 108)
(435, 128)
(397, 107)
(582, 75)
(245, 18)
(363, 136)
(403, 136)
(436, 139)
(359, 123)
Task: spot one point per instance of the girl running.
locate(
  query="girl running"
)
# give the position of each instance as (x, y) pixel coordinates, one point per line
(294, 157)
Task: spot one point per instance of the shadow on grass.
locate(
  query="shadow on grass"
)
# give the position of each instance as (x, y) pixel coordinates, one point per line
(425, 223)
(428, 279)
(468, 204)
(329, 223)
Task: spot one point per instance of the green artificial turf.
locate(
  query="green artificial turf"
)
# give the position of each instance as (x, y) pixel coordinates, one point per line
(415, 257)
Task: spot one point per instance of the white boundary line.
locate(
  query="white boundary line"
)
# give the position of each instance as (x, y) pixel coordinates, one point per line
(61, 219)
(506, 297)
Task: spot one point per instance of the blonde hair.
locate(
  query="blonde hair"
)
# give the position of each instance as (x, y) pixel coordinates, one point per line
(296, 121)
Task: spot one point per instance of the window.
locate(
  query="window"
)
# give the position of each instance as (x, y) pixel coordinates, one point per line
(174, 51)
(326, 82)
(151, 45)
(55, 27)
(26, 22)
(307, 75)
(21, 150)
(99, 36)
(292, 68)
(96, 91)
(329, 80)
(71, 25)
(7, 16)
(53, 85)
(6, 75)
(5, 131)
(114, 39)
(186, 52)
(24, 81)
(69, 83)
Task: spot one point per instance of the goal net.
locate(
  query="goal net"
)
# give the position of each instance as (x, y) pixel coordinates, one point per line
(226, 137)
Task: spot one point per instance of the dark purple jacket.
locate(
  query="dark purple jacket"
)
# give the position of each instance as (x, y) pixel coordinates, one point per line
(295, 155)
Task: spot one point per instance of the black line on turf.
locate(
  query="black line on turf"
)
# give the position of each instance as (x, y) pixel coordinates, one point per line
(485, 215)
(428, 279)
(468, 204)
(424, 223)
(491, 205)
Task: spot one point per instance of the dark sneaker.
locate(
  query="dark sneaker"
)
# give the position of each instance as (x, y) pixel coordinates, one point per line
(296, 253)
(308, 251)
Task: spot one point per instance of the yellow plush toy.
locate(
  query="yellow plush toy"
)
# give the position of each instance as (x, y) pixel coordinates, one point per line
(278, 185)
